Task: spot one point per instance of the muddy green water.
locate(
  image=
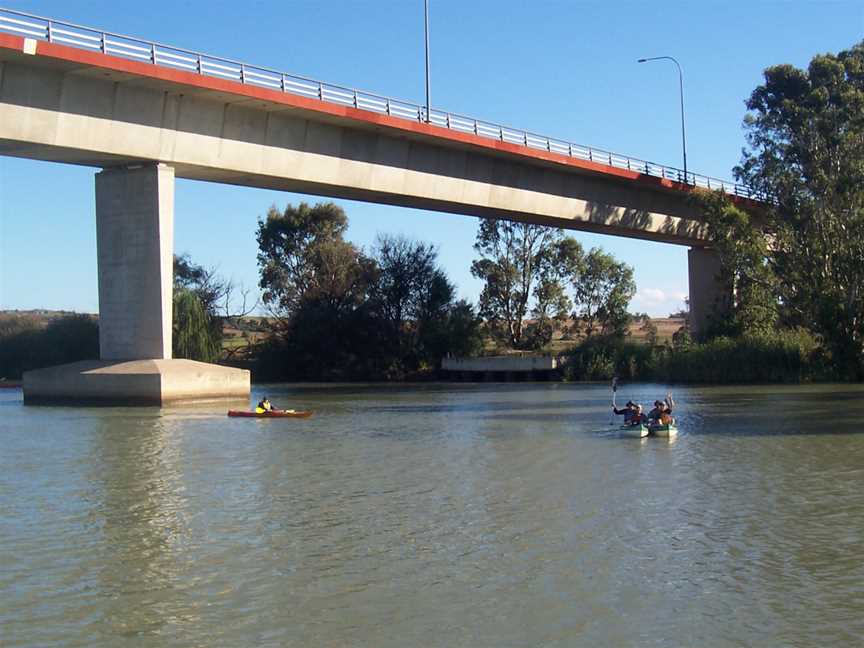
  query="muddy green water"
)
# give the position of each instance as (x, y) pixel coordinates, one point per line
(438, 515)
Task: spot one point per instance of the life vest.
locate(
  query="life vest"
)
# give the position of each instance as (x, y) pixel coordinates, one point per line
(665, 419)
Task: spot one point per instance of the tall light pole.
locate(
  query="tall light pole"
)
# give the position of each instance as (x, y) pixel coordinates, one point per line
(426, 23)
(681, 94)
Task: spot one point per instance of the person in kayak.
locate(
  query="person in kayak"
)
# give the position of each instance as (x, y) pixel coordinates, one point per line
(264, 406)
(639, 417)
(628, 411)
(662, 412)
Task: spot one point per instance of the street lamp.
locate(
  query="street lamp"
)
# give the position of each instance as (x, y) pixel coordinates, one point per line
(681, 94)
(426, 25)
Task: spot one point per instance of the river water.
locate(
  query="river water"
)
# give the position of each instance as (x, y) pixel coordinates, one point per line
(437, 515)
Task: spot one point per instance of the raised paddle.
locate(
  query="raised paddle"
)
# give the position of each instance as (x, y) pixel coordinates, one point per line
(614, 389)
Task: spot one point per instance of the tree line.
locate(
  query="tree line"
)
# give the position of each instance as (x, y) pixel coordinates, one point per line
(391, 313)
(796, 265)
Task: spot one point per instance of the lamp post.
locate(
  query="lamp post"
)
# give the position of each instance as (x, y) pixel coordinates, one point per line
(426, 24)
(681, 94)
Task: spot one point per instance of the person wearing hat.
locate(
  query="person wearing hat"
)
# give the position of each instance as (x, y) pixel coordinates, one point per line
(628, 411)
(662, 412)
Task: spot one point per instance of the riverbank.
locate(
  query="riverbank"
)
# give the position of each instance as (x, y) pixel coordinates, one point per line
(659, 352)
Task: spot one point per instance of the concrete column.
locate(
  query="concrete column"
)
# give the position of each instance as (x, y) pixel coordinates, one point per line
(707, 291)
(135, 247)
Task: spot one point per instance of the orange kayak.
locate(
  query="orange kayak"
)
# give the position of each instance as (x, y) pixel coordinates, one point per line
(272, 414)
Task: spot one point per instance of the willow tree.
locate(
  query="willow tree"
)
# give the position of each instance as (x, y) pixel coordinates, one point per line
(193, 337)
(805, 135)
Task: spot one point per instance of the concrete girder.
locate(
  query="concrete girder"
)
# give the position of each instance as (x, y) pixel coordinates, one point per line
(69, 115)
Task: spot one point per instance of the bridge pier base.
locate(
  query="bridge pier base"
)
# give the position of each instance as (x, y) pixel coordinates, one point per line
(707, 291)
(135, 247)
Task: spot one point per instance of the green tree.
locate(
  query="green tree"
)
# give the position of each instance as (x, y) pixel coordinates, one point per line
(302, 253)
(193, 283)
(28, 342)
(318, 285)
(203, 282)
(805, 134)
(415, 302)
(193, 336)
(747, 272)
(517, 261)
(410, 290)
(345, 315)
(462, 335)
(602, 290)
(552, 304)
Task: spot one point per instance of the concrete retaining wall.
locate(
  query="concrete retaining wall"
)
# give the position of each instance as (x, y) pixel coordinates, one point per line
(502, 364)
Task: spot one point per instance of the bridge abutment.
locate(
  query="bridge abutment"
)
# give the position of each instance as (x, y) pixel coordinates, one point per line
(135, 248)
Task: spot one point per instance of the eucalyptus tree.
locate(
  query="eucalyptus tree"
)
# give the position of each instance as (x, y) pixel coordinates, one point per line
(602, 290)
(805, 136)
(518, 262)
(302, 255)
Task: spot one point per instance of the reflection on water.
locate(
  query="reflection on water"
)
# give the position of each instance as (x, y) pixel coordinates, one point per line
(436, 515)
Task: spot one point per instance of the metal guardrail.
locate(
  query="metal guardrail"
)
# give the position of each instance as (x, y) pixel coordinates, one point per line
(55, 31)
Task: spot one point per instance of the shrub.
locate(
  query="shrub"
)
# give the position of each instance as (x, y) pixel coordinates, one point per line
(785, 356)
(28, 344)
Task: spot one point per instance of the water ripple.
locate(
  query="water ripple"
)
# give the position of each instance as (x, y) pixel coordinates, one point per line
(496, 515)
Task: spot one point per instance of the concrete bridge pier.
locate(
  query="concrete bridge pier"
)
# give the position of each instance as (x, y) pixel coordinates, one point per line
(707, 291)
(135, 248)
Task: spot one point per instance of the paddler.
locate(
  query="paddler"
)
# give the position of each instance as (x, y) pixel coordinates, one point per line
(639, 417)
(263, 406)
(628, 411)
(662, 412)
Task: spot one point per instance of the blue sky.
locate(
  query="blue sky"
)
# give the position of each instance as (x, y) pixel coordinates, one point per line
(566, 69)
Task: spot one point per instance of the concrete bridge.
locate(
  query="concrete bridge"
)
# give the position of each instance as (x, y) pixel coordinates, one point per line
(146, 113)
